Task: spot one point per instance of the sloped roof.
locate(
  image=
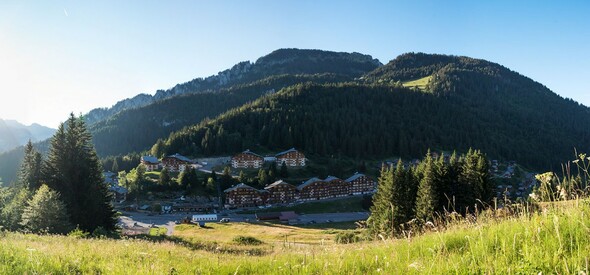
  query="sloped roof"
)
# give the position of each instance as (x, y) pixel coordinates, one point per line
(180, 157)
(118, 189)
(251, 153)
(284, 152)
(276, 183)
(354, 177)
(241, 185)
(331, 178)
(150, 159)
(308, 182)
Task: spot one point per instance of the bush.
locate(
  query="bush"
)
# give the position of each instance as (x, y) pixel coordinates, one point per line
(347, 237)
(78, 233)
(246, 240)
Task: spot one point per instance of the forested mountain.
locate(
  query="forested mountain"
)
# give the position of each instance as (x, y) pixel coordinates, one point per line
(134, 124)
(467, 103)
(14, 134)
(282, 61)
(137, 129)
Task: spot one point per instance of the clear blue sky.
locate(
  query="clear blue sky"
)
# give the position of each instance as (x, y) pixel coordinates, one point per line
(62, 56)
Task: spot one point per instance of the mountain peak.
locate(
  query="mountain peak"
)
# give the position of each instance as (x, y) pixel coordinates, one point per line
(278, 62)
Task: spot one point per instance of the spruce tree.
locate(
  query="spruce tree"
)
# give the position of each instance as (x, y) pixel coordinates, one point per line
(411, 191)
(380, 221)
(164, 179)
(398, 198)
(426, 199)
(73, 169)
(475, 177)
(30, 171)
(188, 179)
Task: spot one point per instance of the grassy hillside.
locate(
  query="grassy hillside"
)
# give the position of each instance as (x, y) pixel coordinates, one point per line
(420, 83)
(555, 241)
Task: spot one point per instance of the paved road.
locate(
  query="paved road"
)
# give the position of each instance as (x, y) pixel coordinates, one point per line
(143, 219)
(168, 220)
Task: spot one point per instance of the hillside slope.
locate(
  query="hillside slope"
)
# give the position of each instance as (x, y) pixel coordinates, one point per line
(137, 129)
(469, 103)
(282, 61)
(552, 242)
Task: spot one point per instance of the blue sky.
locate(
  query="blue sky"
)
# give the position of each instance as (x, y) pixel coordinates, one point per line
(58, 57)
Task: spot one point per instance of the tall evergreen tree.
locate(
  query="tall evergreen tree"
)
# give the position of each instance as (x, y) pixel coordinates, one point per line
(73, 169)
(30, 171)
(426, 200)
(380, 221)
(475, 177)
(188, 179)
(164, 179)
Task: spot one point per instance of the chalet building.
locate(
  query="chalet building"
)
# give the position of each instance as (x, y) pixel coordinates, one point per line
(361, 184)
(119, 193)
(176, 163)
(247, 159)
(242, 195)
(281, 192)
(151, 163)
(337, 187)
(291, 157)
(314, 189)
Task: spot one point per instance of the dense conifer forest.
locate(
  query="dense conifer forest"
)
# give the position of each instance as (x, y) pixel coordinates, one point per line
(380, 121)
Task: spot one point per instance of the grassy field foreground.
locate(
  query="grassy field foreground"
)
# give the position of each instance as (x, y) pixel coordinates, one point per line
(555, 241)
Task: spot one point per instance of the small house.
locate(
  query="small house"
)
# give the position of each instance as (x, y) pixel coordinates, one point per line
(151, 163)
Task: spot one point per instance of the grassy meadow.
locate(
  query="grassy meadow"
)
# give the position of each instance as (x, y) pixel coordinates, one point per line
(555, 240)
(421, 83)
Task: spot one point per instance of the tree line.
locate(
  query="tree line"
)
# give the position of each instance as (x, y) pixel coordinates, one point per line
(63, 191)
(379, 121)
(459, 183)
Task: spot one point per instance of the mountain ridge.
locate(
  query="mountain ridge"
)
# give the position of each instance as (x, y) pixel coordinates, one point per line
(14, 134)
(486, 106)
(281, 61)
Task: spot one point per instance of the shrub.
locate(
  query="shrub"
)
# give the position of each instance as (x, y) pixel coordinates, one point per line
(78, 233)
(246, 240)
(347, 237)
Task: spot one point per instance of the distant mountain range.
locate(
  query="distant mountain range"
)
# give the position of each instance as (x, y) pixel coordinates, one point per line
(349, 105)
(14, 134)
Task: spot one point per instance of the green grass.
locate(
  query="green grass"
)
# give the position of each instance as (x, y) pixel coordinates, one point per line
(421, 83)
(555, 241)
(158, 231)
